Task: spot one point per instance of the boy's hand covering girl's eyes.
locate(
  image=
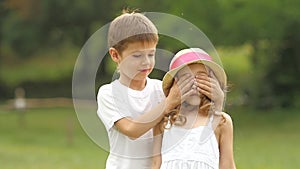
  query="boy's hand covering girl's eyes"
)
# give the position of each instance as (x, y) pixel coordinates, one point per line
(179, 90)
(210, 87)
(173, 98)
(188, 84)
(182, 88)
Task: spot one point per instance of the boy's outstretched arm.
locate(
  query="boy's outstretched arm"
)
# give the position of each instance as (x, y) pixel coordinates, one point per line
(134, 128)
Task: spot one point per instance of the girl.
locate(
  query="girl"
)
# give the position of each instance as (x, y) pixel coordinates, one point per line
(197, 136)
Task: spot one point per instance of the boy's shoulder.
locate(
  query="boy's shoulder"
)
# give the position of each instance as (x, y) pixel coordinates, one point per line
(116, 86)
(107, 88)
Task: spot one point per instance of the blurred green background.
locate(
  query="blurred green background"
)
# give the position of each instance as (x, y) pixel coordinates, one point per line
(257, 41)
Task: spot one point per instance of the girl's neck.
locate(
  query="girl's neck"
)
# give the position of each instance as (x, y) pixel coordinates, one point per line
(194, 116)
(188, 107)
(192, 109)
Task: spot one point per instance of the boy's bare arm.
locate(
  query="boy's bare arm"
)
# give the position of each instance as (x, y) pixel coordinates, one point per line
(135, 128)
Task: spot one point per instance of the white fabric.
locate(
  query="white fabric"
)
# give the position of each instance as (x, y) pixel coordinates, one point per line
(116, 101)
(195, 148)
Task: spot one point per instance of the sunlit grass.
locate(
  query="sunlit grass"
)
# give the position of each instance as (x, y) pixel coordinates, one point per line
(262, 140)
(48, 138)
(266, 140)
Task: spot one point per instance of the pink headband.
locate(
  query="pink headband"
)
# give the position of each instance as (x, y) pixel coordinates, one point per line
(189, 57)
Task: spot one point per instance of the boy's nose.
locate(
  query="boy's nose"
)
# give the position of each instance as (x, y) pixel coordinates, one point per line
(146, 60)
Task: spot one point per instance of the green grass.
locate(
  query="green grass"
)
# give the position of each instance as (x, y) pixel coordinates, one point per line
(43, 142)
(266, 140)
(262, 140)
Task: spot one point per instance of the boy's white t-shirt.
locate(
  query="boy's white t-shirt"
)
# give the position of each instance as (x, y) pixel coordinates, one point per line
(116, 101)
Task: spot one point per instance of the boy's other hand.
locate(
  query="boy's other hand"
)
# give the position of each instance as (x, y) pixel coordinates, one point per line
(210, 87)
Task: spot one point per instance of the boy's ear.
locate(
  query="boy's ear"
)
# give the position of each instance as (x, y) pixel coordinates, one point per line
(114, 54)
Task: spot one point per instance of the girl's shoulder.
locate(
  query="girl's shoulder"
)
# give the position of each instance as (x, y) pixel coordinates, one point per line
(223, 118)
(227, 117)
(223, 121)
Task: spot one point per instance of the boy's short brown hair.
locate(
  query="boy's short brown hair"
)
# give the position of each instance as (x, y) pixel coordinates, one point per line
(129, 28)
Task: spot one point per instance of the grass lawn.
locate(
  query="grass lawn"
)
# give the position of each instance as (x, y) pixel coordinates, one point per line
(53, 138)
(49, 138)
(266, 140)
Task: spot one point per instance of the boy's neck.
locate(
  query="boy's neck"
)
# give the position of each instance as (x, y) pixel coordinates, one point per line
(134, 84)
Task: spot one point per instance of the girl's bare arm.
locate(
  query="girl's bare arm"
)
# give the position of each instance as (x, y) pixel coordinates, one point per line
(226, 144)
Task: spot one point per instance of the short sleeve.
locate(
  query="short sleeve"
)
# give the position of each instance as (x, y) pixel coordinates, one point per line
(109, 110)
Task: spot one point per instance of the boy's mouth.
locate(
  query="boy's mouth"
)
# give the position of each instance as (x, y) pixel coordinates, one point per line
(145, 70)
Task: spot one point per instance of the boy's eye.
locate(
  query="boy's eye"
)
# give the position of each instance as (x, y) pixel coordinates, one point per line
(136, 56)
(150, 55)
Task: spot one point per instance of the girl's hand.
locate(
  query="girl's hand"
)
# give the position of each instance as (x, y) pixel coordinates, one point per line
(209, 86)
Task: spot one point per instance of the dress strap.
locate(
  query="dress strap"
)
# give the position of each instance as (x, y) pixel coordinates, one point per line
(211, 118)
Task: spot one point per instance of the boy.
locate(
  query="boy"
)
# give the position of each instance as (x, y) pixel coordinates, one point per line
(132, 105)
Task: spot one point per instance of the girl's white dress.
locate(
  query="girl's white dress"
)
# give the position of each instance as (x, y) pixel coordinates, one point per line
(195, 148)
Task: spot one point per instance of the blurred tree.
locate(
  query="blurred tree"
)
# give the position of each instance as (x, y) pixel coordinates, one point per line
(205, 14)
(272, 30)
(19, 27)
(2, 13)
(32, 27)
(283, 69)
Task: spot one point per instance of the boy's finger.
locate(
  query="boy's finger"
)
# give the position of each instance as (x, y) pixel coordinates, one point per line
(187, 94)
(185, 82)
(202, 81)
(188, 86)
(205, 92)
